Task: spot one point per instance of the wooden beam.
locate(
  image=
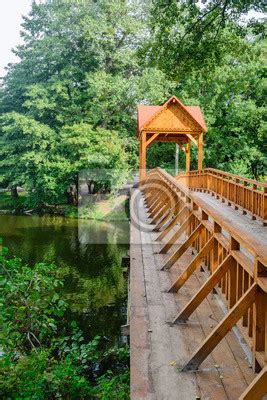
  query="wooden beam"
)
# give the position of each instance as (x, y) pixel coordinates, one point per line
(177, 219)
(159, 197)
(205, 289)
(185, 275)
(154, 202)
(187, 167)
(150, 140)
(142, 165)
(178, 253)
(193, 140)
(172, 212)
(200, 152)
(176, 235)
(222, 329)
(258, 387)
(259, 334)
(162, 212)
(161, 203)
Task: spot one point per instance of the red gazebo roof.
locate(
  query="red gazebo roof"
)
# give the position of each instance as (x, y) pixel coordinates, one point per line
(146, 113)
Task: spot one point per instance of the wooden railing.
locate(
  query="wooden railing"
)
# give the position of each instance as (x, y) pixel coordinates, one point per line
(235, 260)
(247, 194)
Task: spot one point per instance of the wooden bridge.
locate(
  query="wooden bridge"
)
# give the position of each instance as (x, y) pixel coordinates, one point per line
(198, 278)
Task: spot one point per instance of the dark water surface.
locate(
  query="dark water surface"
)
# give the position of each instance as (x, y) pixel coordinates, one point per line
(88, 254)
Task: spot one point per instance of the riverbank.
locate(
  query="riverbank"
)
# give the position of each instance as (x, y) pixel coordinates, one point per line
(96, 207)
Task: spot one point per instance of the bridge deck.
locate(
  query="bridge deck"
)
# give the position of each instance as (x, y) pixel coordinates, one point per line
(158, 349)
(243, 223)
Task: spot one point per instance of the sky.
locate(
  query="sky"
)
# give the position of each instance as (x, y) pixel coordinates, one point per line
(11, 12)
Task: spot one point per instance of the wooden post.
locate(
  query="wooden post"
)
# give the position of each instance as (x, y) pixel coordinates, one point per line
(187, 157)
(200, 152)
(176, 158)
(142, 165)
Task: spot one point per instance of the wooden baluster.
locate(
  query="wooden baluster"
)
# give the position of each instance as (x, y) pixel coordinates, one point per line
(254, 200)
(239, 282)
(250, 312)
(236, 193)
(244, 289)
(244, 201)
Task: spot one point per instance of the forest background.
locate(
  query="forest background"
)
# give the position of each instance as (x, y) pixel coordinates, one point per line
(70, 103)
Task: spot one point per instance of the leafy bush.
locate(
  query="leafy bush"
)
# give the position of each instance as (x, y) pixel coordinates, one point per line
(42, 357)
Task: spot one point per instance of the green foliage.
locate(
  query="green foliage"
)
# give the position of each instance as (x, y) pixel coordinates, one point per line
(90, 65)
(43, 358)
(218, 62)
(30, 299)
(7, 203)
(76, 107)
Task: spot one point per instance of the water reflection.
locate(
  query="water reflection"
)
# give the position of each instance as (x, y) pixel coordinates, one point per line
(88, 254)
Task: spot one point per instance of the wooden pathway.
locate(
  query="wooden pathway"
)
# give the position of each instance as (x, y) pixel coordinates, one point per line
(160, 348)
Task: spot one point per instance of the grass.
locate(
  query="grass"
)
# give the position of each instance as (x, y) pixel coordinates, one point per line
(107, 209)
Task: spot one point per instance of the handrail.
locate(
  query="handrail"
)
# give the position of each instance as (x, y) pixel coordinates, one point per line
(250, 242)
(234, 176)
(247, 194)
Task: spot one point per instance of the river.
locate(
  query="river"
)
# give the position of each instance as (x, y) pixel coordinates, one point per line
(88, 255)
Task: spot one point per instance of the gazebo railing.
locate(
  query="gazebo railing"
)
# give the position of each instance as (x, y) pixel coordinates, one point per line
(243, 193)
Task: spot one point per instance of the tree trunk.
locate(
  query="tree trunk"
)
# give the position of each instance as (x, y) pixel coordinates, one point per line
(14, 192)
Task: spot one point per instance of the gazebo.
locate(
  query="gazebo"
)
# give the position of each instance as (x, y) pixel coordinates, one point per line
(171, 122)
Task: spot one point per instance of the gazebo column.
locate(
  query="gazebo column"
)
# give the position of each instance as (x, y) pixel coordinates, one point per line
(187, 154)
(200, 152)
(142, 154)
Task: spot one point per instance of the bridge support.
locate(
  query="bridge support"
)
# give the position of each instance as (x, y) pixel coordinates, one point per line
(142, 158)
(222, 329)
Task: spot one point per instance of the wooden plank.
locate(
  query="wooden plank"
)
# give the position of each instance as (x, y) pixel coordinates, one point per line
(221, 330)
(185, 275)
(140, 370)
(204, 291)
(164, 378)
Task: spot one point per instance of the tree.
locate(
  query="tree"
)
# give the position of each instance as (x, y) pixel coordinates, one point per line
(26, 147)
(217, 63)
(92, 150)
